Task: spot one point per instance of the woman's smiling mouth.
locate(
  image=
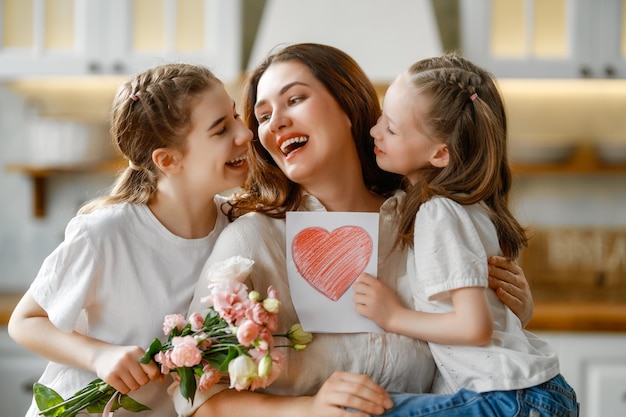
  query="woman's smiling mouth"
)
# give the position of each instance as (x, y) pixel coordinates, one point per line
(292, 144)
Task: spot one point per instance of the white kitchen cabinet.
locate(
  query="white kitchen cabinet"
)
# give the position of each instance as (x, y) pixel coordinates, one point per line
(79, 37)
(19, 369)
(546, 38)
(594, 364)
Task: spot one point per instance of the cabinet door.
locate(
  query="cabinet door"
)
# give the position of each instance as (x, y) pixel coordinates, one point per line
(144, 33)
(594, 364)
(16, 385)
(19, 370)
(47, 37)
(609, 54)
(606, 389)
(528, 38)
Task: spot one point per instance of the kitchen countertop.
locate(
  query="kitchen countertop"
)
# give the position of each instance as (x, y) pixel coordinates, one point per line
(548, 316)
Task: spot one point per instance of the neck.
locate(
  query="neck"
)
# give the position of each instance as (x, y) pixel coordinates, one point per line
(187, 216)
(347, 196)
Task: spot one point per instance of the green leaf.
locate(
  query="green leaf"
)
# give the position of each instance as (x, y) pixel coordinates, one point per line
(211, 317)
(97, 405)
(45, 397)
(232, 354)
(154, 348)
(131, 405)
(187, 383)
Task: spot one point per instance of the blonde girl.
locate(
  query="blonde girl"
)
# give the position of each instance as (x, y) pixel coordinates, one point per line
(444, 128)
(132, 257)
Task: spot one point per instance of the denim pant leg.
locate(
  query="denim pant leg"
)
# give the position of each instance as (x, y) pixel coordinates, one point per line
(554, 398)
(463, 403)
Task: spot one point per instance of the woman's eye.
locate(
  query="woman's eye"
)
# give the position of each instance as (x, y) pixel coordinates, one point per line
(295, 99)
(388, 129)
(263, 118)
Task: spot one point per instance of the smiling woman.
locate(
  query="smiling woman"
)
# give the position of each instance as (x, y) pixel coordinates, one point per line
(311, 108)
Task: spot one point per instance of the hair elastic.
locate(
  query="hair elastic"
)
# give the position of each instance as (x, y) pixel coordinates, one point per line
(134, 166)
(473, 96)
(134, 96)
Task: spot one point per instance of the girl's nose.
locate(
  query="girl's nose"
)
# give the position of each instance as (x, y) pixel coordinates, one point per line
(374, 129)
(245, 135)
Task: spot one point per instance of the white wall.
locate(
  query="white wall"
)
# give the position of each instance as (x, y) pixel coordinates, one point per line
(25, 240)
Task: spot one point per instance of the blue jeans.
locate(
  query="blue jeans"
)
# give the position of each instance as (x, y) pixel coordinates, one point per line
(554, 398)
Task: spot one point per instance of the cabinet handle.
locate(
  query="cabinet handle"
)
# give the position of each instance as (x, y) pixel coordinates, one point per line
(118, 68)
(585, 72)
(94, 67)
(609, 70)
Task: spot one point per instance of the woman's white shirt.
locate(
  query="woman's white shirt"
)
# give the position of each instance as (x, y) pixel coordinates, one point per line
(396, 362)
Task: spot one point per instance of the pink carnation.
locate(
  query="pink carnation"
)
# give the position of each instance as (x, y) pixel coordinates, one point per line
(257, 313)
(266, 338)
(278, 364)
(230, 300)
(197, 321)
(185, 352)
(209, 378)
(173, 321)
(164, 358)
(247, 332)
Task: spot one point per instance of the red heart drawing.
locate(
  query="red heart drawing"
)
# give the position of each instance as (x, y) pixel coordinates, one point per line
(331, 262)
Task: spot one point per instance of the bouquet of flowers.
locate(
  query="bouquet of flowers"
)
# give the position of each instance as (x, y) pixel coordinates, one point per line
(234, 339)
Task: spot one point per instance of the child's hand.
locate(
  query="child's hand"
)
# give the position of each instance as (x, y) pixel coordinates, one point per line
(375, 300)
(119, 367)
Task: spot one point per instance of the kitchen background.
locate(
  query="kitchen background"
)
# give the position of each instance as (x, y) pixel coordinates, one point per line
(562, 70)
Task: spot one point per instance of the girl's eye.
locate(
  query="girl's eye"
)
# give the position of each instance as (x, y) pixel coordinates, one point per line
(221, 131)
(388, 129)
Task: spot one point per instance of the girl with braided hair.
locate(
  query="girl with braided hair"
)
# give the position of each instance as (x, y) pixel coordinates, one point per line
(443, 128)
(132, 257)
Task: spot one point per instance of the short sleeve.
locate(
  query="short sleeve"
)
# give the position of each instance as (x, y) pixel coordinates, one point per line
(64, 280)
(449, 253)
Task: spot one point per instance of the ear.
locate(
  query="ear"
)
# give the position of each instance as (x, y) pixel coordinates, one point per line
(167, 160)
(440, 157)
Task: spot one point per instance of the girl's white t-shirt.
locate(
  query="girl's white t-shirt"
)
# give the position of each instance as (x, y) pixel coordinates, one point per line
(118, 272)
(452, 244)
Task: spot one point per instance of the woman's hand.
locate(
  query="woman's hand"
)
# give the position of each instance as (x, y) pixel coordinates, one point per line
(345, 390)
(511, 286)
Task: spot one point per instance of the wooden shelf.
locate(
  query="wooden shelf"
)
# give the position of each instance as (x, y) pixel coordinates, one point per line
(40, 173)
(584, 160)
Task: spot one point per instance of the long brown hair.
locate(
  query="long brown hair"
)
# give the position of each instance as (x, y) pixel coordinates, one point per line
(151, 110)
(267, 189)
(474, 127)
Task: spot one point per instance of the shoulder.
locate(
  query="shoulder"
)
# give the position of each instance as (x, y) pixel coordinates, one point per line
(441, 208)
(252, 229)
(256, 225)
(108, 220)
